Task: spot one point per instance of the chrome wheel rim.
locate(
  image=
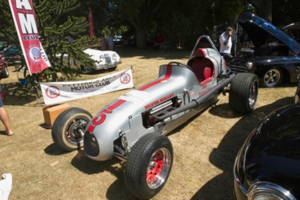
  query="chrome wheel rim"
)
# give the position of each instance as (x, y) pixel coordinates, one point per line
(253, 94)
(88, 69)
(73, 135)
(272, 77)
(158, 168)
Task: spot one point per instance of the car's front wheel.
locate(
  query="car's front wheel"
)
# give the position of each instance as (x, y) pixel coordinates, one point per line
(272, 78)
(149, 165)
(86, 69)
(68, 127)
(243, 92)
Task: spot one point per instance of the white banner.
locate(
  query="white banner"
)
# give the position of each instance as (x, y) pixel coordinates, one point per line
(57, 92)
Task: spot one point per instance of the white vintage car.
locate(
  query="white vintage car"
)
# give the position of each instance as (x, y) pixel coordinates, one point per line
(103, 60)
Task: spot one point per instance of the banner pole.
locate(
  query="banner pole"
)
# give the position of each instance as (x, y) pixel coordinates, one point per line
(132, 77)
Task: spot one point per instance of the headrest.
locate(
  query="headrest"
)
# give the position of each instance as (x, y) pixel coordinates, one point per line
(199, 53)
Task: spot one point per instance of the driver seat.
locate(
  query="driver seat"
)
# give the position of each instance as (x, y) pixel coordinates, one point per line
(201, 65)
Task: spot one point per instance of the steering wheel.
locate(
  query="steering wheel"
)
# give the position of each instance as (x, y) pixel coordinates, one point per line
(180, 64)
(177, 63)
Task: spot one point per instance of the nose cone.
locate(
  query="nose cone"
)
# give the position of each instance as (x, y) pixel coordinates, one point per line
(105, 128)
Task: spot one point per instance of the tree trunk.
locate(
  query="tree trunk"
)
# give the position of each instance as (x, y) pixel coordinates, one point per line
(140, 38)
(264, 8)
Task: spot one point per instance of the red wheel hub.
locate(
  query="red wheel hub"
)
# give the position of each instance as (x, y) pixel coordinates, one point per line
(155, 166)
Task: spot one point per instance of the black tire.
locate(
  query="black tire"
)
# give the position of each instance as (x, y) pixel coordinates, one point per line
(151, 153)
(87, 69)
(66, 127)
(112, 68)
(243, 92)
(271, 78)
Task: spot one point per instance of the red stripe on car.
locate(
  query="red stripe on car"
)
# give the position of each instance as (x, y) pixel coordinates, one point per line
(167, 76)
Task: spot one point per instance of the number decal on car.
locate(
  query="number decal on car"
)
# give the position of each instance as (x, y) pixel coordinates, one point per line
(100, 118)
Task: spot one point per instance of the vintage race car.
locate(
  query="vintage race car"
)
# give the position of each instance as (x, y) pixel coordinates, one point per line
(103, 60)
(133, 128)
(274, 55)
(267, 165)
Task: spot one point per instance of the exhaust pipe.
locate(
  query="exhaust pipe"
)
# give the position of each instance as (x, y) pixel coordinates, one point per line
(195, 102)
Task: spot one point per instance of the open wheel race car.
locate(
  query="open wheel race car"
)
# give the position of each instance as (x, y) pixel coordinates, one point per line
(133, 128)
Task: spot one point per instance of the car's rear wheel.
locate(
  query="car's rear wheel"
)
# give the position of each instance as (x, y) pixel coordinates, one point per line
(112, 68)
(272, 78)
(68, 128)
(149, 165)
(243, 92)
(87, 69)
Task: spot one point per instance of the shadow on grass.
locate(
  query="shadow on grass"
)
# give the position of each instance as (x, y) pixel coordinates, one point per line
(221, 186)
(115, 193)
(89, 166)
(16, 94)
(53, 149)
(150, 53)
(113, 166)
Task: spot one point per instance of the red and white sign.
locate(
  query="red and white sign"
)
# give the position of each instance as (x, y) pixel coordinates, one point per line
(57, 92)
(24, 18)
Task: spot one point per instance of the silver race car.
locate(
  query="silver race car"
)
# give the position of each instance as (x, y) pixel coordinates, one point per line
(133, 128)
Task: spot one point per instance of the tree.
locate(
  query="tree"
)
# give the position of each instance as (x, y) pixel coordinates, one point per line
(7, 27)
(55, 27)
(187, 20)
(264, 8)
(284, 10)
(139, 13)
(103, 15)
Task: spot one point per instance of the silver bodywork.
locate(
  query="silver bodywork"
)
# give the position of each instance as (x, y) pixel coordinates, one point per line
(117, 127)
